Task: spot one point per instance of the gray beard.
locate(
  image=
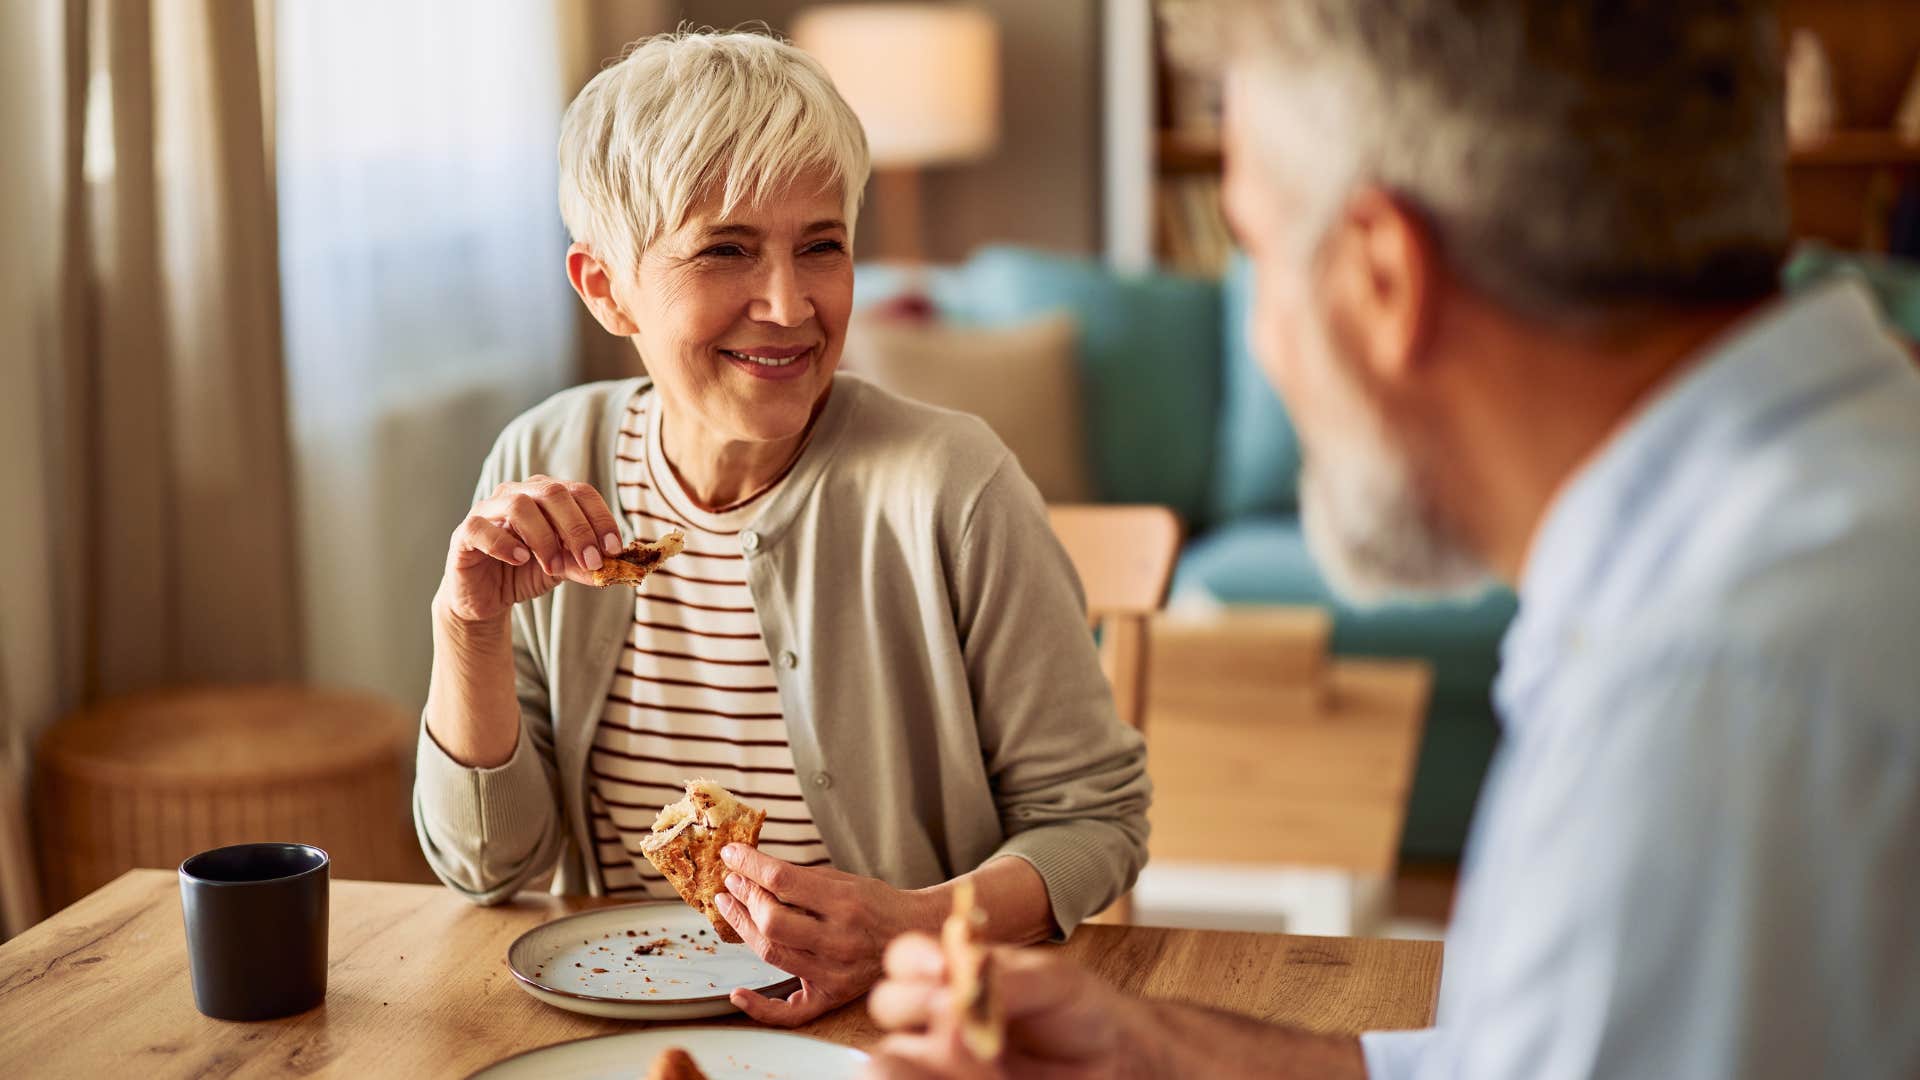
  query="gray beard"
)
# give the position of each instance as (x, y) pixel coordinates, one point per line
(1374, 534)
(1370, 524)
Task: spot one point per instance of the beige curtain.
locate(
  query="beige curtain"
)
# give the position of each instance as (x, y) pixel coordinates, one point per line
(176, 414)
(161, 548)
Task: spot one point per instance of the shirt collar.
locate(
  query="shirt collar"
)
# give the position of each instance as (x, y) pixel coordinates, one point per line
(1782, 353)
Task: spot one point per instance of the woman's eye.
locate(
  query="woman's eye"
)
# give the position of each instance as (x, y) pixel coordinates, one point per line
(826, 246)
(726, 250)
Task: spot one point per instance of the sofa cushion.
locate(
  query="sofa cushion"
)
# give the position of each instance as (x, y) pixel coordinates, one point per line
(1149, 359)
(1149, 354)
(1023, 380)
(1264, 560)
(1257, 457)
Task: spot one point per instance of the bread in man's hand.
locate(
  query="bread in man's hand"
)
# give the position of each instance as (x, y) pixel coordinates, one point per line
(977, 1008)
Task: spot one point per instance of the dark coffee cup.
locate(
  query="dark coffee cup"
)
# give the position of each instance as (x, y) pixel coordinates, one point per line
(256, 929)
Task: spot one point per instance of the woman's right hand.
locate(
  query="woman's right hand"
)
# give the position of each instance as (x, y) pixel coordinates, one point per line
(523, 541)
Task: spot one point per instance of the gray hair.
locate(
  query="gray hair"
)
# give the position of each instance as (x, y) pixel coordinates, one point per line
(1573, 157)
(687, 113)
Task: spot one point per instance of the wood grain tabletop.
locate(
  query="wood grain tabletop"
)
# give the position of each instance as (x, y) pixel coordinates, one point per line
(418, 986)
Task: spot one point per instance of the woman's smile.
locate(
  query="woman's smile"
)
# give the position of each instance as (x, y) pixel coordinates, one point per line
(772, 362)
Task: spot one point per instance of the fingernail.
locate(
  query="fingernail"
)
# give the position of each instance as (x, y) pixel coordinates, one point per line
(730, 854)
(611, 542)
(734, 882)
(723, 902)
(521, 555)
(590, 558)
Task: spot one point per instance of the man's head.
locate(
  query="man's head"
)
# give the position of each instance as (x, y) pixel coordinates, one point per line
(1407, 173)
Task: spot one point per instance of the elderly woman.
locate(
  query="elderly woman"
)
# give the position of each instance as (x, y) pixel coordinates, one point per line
(872, 633)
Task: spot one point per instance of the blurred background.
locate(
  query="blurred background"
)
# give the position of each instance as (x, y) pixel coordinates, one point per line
(275, 273)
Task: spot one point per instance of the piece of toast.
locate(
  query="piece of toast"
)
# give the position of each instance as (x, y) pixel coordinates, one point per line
(686, 842)
(675, 1064)
(977, 1009)
(639, 559)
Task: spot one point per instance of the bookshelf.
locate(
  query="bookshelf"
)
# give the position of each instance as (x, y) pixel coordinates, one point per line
(1844, 187)
(1857, 149)
(1189, 231)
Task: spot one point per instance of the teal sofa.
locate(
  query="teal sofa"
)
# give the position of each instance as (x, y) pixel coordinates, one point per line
(1178, 414)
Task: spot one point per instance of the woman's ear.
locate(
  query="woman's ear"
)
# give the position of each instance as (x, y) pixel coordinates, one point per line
(1380, 283)
(591, 279)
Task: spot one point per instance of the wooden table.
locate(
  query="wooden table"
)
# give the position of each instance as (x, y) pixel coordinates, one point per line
(419, 987)
(1320, 751)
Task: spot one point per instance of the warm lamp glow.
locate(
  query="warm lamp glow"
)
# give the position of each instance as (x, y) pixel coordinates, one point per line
(923, 78)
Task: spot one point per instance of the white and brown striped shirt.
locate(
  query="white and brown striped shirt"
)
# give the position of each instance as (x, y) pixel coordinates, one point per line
(695, 694)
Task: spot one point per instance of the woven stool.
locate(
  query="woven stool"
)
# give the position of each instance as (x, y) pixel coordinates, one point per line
(145, 781)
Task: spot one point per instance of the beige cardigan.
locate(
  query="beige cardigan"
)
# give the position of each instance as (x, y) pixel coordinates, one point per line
(943, 697)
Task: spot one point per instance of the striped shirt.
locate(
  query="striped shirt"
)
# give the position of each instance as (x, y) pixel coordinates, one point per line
(695, 694)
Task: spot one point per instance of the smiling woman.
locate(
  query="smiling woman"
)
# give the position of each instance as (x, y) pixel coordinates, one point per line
(871, 634)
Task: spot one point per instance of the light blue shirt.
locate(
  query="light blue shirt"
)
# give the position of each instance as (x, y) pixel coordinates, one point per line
(1698, 852)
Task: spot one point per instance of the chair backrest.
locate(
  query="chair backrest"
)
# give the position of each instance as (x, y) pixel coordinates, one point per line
(1124, 556)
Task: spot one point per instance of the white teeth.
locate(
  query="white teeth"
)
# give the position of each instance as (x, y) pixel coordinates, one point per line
(763, 361)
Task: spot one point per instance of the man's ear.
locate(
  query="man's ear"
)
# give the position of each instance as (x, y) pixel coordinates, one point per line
(592, 280)
(1380, 279)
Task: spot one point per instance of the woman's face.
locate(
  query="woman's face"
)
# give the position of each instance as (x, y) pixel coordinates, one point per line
(741, 318)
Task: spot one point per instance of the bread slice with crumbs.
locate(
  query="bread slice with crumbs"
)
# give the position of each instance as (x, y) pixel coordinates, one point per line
(675, 1064)
(976, 1005)
(638, 559)
(686, 842)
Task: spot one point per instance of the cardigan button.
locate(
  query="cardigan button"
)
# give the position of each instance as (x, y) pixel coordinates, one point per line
(750, 541)
(822, 780)
(788, 660)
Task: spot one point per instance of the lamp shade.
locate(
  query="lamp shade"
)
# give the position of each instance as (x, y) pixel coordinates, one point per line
(923, 78)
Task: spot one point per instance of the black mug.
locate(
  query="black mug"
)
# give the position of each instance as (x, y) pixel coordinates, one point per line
(256, 929)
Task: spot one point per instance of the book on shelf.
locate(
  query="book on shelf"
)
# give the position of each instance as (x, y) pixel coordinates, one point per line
(1191, 226)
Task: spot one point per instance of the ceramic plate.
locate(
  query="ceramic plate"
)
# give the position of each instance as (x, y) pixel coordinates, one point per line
(722, 1053)
(659, 961)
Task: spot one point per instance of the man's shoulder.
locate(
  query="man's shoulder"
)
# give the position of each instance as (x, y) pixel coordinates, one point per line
(1802, 553)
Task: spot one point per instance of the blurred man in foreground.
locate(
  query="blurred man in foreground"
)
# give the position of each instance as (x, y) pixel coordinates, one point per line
(1516, 280)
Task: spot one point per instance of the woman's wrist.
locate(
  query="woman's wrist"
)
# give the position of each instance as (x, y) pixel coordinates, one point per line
(459, 630)
(923, 910)
(471, 711)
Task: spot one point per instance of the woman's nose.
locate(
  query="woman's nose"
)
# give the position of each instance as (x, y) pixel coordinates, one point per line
(782, 299)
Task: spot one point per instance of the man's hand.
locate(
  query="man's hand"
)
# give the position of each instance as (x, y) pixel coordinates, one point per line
(1062, 1023)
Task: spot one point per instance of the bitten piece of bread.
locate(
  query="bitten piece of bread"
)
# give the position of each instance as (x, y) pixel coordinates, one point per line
(686, 842)
(639, 559)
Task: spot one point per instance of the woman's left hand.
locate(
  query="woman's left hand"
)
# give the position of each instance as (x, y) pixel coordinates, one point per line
(828, 927)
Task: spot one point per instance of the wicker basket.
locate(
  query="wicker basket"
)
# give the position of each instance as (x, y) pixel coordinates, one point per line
(145, 781)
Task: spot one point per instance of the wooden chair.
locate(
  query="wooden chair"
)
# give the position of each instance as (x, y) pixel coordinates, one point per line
(1124, 556)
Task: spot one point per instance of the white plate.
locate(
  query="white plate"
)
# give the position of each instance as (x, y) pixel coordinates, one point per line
(658, 961)
(722, 1053)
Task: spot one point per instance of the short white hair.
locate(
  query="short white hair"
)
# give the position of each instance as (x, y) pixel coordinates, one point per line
(683, 113)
